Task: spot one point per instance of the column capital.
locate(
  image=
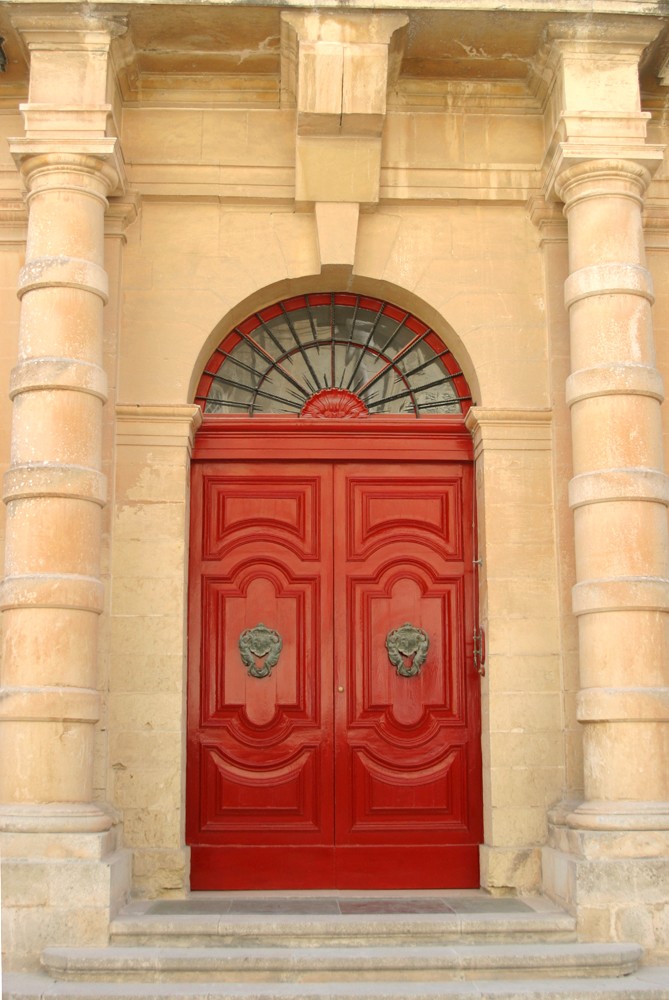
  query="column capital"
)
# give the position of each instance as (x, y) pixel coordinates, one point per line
(600, 177)
(43, 162)
(574, 164)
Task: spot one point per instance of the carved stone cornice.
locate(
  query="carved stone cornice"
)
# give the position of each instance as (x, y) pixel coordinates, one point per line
(155, 425)
(121, 213)
(549, 219)
(509, 430)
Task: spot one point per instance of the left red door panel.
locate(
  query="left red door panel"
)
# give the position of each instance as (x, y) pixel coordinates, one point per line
(260, 730)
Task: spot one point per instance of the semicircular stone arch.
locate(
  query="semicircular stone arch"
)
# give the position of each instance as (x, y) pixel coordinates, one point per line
(333, 354)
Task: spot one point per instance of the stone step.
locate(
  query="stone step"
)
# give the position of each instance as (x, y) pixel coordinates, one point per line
(647, 985)
(314, 930)
(410, 962)
(344, 931)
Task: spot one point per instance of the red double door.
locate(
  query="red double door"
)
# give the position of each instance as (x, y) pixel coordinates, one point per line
(333, 703)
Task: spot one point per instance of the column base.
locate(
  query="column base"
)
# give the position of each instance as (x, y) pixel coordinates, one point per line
(614, 881)
(59, 886)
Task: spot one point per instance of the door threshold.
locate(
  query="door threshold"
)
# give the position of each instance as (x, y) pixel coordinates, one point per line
(431, 902)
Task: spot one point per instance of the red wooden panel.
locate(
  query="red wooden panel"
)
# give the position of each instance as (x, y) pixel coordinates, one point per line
(454, 866)
(260, 748)
(285, 510)
(240, 867)
(408, 747)
(431, 509)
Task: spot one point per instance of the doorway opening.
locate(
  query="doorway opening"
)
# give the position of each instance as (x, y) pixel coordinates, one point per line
(334, 704)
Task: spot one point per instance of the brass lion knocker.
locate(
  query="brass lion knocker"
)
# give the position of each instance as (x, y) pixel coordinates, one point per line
(259, 642)
(407, 643)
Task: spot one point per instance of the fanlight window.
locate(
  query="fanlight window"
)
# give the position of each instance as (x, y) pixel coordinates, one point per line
(333, 355)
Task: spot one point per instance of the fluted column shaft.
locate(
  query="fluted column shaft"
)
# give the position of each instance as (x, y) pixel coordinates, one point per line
(619, 495)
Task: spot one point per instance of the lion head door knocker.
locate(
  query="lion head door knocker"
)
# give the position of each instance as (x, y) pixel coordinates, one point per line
(407, 643)
(260, 642)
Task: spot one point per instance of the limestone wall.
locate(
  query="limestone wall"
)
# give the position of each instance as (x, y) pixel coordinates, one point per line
(475, 272)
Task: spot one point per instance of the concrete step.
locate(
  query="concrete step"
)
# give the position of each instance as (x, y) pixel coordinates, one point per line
(410, 962)
(646, 985)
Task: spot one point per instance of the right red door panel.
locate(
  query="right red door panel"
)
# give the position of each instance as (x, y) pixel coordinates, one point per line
(408, 769)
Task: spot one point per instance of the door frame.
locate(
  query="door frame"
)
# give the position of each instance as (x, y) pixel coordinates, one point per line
(370, 438)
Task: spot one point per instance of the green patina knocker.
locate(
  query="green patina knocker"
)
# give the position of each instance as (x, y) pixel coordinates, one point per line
(260, 642)
(407, 643)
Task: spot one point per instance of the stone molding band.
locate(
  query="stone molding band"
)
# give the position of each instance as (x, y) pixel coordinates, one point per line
(50, 704)
(77, 482)
(614, 379)
(53, 817)
(624, 593)
(52, 590)
(608, 279)
(621, 815)
(58, 373)
(63, 272)
(633, 704)
(610, 485)
(157, 426)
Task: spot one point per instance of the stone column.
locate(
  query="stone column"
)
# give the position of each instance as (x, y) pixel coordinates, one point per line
(54, 490)
(609, 856)
(52, 594)
(619, 495)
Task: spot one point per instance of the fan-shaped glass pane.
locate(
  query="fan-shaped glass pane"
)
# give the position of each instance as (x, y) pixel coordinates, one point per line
(332, 354)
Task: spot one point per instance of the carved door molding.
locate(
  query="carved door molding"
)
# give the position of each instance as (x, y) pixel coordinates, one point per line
(353, 758)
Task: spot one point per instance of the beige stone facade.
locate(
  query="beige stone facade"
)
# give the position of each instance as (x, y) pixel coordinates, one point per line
(165, 170)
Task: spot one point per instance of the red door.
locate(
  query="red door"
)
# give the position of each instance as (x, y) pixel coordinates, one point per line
(333, 703)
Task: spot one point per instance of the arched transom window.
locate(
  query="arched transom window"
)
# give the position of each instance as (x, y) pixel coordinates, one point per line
(333, 355)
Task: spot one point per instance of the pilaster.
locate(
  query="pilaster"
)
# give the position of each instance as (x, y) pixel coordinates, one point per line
(148, 638)
(600, 166)
(520, 696)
